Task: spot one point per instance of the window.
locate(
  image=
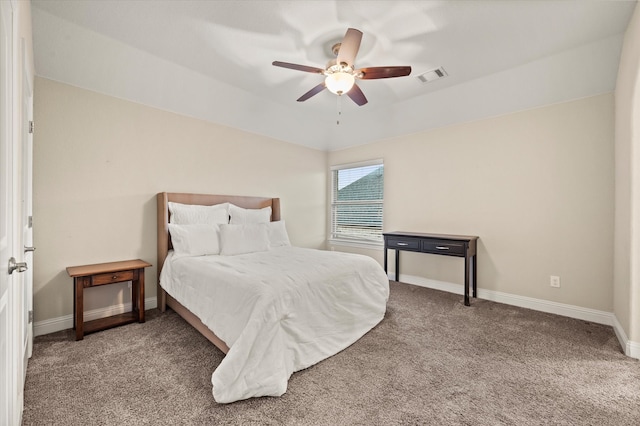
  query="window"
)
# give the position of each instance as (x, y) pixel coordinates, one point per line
(357, 202)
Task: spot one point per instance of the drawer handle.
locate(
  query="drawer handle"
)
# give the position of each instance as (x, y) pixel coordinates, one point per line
(442, 248)
(402, 244)
(114, 277)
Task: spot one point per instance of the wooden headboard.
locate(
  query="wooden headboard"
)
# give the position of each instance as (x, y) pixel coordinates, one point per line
(164, 238)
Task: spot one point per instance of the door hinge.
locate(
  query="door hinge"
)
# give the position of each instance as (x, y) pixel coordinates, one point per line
(30, 222)
(30, 316)
(31, 126)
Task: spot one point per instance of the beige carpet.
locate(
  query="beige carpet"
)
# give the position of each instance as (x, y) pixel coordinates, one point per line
(431, 361)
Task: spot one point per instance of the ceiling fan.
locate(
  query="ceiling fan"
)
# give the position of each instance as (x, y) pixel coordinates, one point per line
(340, 73)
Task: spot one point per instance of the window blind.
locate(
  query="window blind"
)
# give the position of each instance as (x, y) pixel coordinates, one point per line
(357, 202)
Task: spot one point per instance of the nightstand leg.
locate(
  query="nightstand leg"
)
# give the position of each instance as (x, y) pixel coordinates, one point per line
(79, 308)
(134, 295)
(75, 284)
(141, 295)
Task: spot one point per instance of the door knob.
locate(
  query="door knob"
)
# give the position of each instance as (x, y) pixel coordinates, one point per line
(28, 249)
(17, 266)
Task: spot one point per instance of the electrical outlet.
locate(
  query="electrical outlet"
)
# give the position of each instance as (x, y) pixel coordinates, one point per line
(554, 281)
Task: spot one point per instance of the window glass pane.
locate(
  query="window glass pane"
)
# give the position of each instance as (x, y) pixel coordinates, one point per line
(360, 178)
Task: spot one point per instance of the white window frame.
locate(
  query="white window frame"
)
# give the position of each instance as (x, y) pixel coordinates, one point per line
(353, 242)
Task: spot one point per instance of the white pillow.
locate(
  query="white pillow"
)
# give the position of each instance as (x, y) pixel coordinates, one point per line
(278, 236)
(240, 216)
(241, 239)
(195, 240)
(192, 214)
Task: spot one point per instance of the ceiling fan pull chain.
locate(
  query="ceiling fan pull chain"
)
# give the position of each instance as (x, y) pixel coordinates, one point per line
(339, 110)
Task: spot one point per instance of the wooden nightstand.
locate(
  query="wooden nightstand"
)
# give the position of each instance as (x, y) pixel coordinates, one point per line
(104, 274)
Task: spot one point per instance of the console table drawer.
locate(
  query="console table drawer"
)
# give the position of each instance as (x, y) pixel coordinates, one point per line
(111, 277)
(404, 244)
(443, 247)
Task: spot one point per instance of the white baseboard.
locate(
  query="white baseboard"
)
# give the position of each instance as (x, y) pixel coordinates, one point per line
(633, 349)
(66, 322)
(630, 348)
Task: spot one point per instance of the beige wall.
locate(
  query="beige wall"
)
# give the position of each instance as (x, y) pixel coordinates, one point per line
(627, 200)
(536, 187)
(99, 162)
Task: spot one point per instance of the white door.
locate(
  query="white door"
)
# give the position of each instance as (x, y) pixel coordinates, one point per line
(27, 212)
(8, 394)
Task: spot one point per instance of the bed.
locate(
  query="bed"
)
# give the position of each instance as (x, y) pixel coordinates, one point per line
(273, 310)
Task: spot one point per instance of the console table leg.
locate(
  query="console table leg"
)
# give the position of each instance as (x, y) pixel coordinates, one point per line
(466, 281)
(397, 265)
(385, 260)
(475, 276)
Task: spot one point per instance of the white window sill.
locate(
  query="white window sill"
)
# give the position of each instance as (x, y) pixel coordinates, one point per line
(372, 245)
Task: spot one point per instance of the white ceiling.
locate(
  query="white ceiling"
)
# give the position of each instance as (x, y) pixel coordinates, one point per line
(212, 59)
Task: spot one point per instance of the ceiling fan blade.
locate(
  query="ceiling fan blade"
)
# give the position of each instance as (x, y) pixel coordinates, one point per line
(319, 88)
(349, 47)
(357, 96)
(297, 67)
(383, 72)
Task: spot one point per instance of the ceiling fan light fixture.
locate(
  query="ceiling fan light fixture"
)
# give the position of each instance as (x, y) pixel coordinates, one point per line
(339, 82)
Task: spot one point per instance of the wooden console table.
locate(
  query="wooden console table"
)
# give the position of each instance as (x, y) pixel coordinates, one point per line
(448, 245)
(104, 274)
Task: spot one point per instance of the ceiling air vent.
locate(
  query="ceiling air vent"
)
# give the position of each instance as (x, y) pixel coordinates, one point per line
(429, 76)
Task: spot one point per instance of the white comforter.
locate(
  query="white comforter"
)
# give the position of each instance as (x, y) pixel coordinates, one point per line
(279, 311)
